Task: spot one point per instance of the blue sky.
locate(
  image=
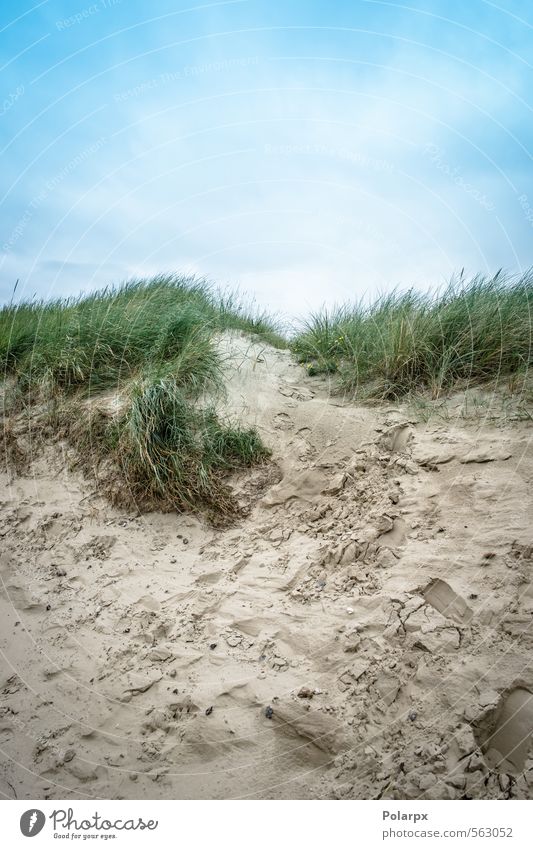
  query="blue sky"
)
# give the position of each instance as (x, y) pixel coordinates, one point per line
(307, 152)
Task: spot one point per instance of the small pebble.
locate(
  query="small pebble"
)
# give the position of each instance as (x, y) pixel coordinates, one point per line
(212, 646)
(413, 715)
(305, 693)
(269, 713)
(504, 781)
(209, 711)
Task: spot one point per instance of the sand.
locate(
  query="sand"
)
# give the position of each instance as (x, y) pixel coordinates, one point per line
(364, 632)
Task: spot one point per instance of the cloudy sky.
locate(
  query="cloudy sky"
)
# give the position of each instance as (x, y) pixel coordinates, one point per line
(308, 152)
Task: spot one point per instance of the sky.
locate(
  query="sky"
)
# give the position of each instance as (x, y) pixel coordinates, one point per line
(307, 153)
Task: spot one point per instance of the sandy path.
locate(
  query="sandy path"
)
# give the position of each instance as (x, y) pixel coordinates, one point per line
(385, 576)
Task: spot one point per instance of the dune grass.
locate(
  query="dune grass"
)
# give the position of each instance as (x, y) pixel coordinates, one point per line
(161, 450)
(154, 342)
(102, 339)
(472, 332)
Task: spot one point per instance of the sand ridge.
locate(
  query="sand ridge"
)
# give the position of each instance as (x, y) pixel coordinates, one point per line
(363, 632)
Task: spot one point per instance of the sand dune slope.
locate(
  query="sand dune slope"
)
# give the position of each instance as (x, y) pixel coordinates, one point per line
(366, 631)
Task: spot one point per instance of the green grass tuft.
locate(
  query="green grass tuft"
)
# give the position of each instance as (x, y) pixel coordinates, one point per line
(163, 450)
(406, 342)
(153, 340)
(103, 339)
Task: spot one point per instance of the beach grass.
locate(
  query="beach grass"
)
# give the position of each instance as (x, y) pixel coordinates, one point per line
(154, 343)
(100, 340)
(473, 331)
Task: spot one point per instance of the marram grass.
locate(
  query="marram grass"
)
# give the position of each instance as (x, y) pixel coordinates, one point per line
(473, 331)
(154, 341)
(100, 340)
(162, 450)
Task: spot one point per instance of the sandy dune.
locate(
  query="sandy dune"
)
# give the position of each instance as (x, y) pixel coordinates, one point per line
(365, 632)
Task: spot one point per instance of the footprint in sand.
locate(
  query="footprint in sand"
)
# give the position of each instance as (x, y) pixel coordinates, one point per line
(299, 393)
(396, 438)
(440, 595)
(505, 737)
(208, 578)
(282, 421)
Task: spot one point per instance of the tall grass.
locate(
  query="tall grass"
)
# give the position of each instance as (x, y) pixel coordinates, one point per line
(102, 339)
(155, 341)
(163, 451)
(472, 331)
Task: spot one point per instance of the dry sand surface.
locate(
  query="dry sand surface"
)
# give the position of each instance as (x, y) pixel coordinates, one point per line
(365, 631)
